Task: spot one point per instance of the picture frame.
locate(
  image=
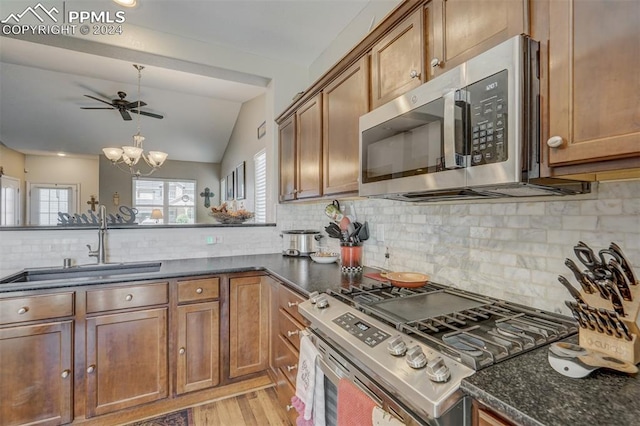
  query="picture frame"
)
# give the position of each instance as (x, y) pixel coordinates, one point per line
(230, 183)
(239, 181)
(262, 130)
(223, 190)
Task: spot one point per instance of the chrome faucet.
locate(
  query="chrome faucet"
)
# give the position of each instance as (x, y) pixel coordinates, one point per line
(101, 253)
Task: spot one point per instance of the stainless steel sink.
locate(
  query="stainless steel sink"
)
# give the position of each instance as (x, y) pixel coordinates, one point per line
(83, 271)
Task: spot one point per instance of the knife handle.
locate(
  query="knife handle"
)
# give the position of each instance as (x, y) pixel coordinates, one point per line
(572, 290)
(573, 307)
(624, 263)
(620, 280)
(585, 282)
(615, 298)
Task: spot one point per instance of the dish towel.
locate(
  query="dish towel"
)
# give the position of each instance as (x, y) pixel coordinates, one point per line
(354, 406)
(309, 396)
(382, 418)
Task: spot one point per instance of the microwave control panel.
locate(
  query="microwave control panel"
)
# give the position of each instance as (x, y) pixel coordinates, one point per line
(488, 124)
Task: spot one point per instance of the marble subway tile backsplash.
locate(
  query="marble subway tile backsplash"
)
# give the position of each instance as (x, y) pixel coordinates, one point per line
(512, 250)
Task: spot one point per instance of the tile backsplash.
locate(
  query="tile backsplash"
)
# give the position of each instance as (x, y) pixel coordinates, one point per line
(509, 250)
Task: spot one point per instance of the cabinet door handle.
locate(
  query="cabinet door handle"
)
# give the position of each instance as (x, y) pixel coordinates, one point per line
(292, 304)
(128, 297)
(199, 290)
(291, 367)
(182, 351)
(91, 369)
(414, 74)
(23, 310)
(555, 142)
(435, 62)
(292, 333)
(65, 374)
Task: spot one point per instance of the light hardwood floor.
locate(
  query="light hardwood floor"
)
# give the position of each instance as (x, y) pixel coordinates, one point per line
(259, 408)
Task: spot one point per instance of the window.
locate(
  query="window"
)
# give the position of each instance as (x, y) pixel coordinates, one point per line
(174, 199)
(47, 200)
(260, 186)
(9, 201)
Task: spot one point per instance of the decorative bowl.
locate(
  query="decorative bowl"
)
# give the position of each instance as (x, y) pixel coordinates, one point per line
(237, 217)
(324, 257)
(407, 279)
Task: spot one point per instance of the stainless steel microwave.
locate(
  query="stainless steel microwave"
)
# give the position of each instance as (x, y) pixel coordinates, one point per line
(472, 132)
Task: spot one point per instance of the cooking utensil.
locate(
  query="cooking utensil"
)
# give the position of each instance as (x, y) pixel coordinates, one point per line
(576, 313)
(593, 262)
(300, 242)
(624, 263)
(407, 279)
(615, 298)
(620, 280)
(572, 290)
(333, 230)
(333, 211)
(576, 362)
(609, 320)
(363, 232)
(585, 282)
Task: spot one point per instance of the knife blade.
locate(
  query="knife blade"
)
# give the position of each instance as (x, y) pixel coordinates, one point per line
(604, 314)
(624, 263)
(585, 282)
(620, 280)
(602, 289)
(572, 290)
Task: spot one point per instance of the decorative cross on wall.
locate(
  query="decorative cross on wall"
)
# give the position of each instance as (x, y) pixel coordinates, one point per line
(93, 202)
(207, 194)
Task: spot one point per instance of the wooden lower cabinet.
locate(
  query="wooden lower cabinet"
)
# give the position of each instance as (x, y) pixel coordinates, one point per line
(36, 378)
(198, 365)
(248, 325)
(482, 416)
(126, 359)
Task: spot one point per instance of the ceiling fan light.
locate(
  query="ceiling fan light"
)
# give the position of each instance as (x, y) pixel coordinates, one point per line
(126, 3)
(112, 154)
(138, 139)
(133, 152)
(157, 158)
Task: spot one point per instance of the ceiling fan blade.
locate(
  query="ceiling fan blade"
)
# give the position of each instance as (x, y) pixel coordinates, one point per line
(96, 108)
(149, 114)
(135, 104)
(98, 99)
(125, 115)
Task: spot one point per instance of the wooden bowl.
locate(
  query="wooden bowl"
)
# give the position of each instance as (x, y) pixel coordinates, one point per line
(407, 279)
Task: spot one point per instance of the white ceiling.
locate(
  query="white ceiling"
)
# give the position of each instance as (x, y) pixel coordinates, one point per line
(42, 86)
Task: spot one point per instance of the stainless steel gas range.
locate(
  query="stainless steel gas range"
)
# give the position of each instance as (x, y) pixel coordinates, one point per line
(409, 349)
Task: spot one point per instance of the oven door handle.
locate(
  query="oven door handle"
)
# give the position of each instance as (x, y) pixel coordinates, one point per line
(334, 374)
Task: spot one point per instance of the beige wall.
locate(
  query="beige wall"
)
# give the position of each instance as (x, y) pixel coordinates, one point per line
(12, 163)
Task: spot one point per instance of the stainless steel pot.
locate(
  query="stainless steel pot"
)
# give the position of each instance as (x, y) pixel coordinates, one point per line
(299, 242)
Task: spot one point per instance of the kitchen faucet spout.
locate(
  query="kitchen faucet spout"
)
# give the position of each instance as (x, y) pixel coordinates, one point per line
(101, 253)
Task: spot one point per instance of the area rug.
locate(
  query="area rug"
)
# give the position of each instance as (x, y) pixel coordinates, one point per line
(178, 418)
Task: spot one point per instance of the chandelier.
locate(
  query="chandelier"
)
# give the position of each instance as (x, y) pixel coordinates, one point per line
(128, 157)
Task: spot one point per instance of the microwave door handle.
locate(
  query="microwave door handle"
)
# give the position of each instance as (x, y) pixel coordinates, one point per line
(450, 130)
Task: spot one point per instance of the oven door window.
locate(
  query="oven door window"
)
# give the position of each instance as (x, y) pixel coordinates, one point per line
(407, 145)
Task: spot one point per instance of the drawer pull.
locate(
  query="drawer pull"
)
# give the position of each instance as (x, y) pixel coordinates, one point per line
(128, 297)
(199, 290)
(182, 351)
(292, 304)
(91, 369)
(291, 367)
(23, 310)
(292, 333)
(65, 374)
(289, 407)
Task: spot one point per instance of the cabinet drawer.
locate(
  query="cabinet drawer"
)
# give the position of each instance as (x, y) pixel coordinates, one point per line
(200, 289)
(127, 297)
(289, 328)
(285, 392)
(287, 359)
(33, 308)
(289, 301)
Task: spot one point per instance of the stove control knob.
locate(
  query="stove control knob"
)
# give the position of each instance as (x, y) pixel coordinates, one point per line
(322, 302)
(397, 346)
(313, 297)
(437, 370)
(415, 357)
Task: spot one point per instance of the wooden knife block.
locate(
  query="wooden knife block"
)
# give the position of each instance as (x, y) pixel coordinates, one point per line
(613, 346)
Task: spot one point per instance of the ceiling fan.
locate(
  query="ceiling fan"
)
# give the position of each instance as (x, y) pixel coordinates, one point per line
(123, 105)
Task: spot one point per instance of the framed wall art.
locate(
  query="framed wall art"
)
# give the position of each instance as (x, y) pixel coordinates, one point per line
(230, 183)
(239, 191)
(262, 130)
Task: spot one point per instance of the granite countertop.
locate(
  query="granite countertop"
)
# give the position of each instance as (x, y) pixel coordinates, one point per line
(529, 392)
(300, 273)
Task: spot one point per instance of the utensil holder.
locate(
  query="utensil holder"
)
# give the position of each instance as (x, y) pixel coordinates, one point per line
(616, 347)
(351, 257)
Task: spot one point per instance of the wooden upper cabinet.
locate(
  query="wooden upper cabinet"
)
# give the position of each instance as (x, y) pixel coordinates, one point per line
(344, 101)
(594, 63)
(397, 62)
(248, 325)
(464, 28)
(287, 145)
(36, 377)
(309, 148)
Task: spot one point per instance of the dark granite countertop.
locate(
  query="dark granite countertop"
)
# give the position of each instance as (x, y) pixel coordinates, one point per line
(300, 273)
(526, 390)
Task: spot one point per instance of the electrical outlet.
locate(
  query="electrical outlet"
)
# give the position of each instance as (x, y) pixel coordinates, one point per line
(380, 232)
(218, 239)
(211, 240)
